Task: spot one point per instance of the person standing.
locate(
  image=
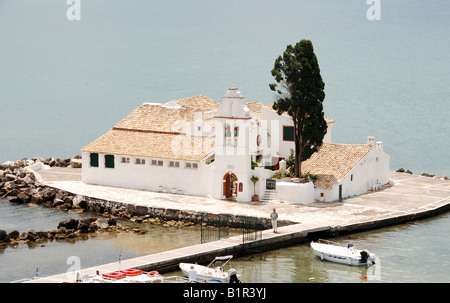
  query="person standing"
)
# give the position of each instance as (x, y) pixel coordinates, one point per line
(274, 217)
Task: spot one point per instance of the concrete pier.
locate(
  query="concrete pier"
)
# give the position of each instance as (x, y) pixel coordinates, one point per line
(409, 197)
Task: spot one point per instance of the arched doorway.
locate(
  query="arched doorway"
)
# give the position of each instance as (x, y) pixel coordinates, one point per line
(229, 185)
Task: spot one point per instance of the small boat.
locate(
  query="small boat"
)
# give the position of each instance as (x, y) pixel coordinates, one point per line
(334, 252)
(213, 273)
(122, 276)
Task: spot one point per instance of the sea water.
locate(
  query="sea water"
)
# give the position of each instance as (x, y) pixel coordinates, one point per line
(53, 257)
(414, 252)
(67, 79)
(66, 82)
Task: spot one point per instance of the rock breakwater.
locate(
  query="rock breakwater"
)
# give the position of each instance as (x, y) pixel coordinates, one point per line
(19, 184)
(402, 170)
(68, 229)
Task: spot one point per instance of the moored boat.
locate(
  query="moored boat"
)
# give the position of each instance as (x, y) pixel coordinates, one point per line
(213, 273)
(122, 276)
(334, 252)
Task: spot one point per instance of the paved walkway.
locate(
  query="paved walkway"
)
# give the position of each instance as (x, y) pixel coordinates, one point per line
(409, 194)
(173, 257)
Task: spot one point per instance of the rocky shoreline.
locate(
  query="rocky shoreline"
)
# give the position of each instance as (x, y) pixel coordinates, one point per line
(18, 184)
(67, 229)
(402, 170)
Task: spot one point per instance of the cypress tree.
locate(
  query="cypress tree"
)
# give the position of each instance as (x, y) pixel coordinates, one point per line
(300, 94)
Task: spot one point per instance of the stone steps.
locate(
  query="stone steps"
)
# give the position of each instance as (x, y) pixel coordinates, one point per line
(269, 195)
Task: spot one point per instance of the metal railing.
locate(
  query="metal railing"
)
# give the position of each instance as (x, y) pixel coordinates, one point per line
(214, 227)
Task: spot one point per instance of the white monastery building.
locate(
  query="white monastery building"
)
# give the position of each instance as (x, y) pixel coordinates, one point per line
(196, 146)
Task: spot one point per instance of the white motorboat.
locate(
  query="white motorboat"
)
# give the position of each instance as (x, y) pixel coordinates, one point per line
(334, 252)
(213, 273)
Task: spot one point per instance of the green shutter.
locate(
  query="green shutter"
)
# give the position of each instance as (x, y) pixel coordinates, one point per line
(288, 133)
(94, 159)
(109, 161)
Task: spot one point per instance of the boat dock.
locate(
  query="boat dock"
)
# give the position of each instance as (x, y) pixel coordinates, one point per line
(409, 197)
(202, 253)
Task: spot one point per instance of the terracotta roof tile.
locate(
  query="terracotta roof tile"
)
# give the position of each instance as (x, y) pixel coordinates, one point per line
(325, 181)
(157, 131)
(159, 117)
(152, 145)
(255, 107)
(153, 130)
(332, 162)
(201, 101)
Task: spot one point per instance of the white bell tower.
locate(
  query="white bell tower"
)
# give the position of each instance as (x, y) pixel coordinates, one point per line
(232, 170)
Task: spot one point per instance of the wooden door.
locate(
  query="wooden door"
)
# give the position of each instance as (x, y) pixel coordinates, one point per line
(227, 186)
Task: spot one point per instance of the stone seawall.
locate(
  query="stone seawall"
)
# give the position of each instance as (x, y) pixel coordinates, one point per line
(20, 184)
(138, 212)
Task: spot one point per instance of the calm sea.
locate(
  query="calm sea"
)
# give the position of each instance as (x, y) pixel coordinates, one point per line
(414, 252)
(64, 83)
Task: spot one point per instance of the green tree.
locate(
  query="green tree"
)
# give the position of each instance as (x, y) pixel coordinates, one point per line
(254, 179)
(300, 94)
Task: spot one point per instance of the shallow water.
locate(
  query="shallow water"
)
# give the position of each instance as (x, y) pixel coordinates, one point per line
(413, 252)
(65, 83)
(57, 257)
(409, 253)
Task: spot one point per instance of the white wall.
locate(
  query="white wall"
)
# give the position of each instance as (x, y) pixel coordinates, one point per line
(149, 177)
(232, 155)
(275, 124)
(263, 174)
(328, 136)
(296, 192)
(329, 195)
(372, 170)
(240, 166)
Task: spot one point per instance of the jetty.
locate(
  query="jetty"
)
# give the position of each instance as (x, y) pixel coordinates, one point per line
(406, 198)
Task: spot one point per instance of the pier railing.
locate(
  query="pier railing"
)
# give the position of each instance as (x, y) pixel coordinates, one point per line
(214, 227)
(252, 232)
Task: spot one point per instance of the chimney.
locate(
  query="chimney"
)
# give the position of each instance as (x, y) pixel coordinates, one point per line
(380, 146)
(370, 140)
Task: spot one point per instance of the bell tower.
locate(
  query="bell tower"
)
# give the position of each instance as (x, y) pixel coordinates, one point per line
(232, 124)
(232, 156)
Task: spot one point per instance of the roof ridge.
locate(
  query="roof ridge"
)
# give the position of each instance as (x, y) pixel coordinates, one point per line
(335, 159)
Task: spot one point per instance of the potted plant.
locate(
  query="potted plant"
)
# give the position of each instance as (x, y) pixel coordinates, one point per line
(254, 179)
(303, 178)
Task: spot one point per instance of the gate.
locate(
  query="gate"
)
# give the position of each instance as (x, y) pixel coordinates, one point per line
(252, 233)
(214, 227)
(271, 184)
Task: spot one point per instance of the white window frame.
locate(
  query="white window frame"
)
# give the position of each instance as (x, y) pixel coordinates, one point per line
(156, 162)
(175, 164)
(139, 161)
(191, 165)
